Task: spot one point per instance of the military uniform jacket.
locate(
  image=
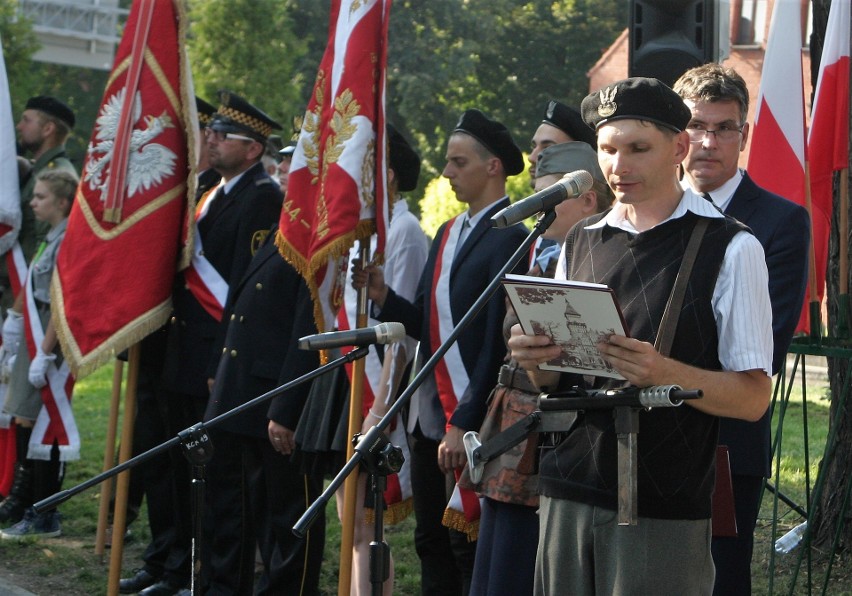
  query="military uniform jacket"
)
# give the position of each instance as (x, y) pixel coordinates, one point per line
(269, 309)
(485, 251)
(236, 224)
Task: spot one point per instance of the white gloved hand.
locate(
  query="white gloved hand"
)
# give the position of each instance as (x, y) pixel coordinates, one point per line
(13, 330)
(38, 369)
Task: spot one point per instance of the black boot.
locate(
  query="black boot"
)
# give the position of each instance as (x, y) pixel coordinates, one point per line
(20, 496)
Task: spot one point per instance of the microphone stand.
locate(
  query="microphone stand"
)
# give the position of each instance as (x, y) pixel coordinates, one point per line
(197, 447)
(374, 441)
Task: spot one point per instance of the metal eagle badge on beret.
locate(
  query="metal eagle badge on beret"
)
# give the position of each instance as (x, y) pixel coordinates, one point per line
(551, 108)
(608, 105)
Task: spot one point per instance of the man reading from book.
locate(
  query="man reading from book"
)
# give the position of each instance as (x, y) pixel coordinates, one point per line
(722, 344)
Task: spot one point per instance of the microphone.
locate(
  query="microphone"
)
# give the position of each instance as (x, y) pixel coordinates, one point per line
(383, 333)
(572, 184)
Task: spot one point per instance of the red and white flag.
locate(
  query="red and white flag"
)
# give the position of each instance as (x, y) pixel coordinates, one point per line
(113, 279)
(828, 139)
(10, 195)
(10, 192)
(777, 156)
(10, 225)
(337, 186)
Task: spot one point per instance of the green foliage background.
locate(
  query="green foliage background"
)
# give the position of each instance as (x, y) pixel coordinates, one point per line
(505, 57)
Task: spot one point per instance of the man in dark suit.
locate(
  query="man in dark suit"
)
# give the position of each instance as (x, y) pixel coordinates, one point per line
(718, 99)
(465, 256)
(152, 478)
(231, 222)
(256, 494)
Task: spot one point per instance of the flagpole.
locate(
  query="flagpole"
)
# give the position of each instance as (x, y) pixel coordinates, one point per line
(109, 456)
(843, 282)
(350, 487)
(813, 300)
(119, 520)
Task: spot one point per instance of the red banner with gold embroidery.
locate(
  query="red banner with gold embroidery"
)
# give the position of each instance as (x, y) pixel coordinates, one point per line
(337, 183)
(114, 273)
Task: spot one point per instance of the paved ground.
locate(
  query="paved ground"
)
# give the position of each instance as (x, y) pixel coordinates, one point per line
(7, 589)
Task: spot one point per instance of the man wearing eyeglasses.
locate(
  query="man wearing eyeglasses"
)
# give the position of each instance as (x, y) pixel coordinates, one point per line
(718, 99)
(232, 220)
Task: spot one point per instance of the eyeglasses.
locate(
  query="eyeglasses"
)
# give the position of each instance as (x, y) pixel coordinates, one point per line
(221, 136)
(724, 134)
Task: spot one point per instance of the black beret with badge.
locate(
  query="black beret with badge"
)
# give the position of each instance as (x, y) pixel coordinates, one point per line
(53, 107)
(569, 157)
(404, 161)
(237, 115)
(495, 137)
(205, 111)
(569, 121)
(637, 98)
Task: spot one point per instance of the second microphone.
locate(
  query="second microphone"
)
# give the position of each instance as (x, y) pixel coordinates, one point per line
(572, 184)
(383, 333)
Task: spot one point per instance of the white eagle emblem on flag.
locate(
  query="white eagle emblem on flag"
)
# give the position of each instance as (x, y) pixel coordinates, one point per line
(148, 163)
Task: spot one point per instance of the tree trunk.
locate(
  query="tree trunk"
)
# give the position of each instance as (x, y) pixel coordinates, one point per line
(839, 463)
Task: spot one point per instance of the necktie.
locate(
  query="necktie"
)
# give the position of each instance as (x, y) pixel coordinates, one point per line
(463, 233)
(707, 197)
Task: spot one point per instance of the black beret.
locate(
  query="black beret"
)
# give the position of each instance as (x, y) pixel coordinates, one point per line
(404, 161)
(637, 98)
(52, 106)
(569, 121)
(237, 115)
(205, 112)
(569, 157)
(496, 138)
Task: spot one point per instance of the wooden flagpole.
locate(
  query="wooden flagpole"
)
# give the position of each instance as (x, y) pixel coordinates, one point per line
(109, 456)
(119, 521)
(843, 236)
(350, 487)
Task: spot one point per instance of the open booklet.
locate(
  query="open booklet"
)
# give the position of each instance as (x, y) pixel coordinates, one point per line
(575, 315)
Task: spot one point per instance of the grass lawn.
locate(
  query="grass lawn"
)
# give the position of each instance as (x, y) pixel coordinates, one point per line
(68, 565)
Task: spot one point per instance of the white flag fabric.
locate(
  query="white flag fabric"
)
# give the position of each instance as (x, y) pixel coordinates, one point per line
(10, 195)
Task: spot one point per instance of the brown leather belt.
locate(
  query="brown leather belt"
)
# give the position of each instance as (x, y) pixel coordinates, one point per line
(516, 378)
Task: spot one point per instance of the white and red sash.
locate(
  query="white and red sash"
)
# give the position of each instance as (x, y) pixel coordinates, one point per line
(16, 265)
(451, 377)
(205, 283)
(55, 422)
(398, 492)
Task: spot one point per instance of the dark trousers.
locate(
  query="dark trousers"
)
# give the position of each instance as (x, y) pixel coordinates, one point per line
(446, 556)
(505, 552)
(255, 496)
(152, 478)
(732, 556)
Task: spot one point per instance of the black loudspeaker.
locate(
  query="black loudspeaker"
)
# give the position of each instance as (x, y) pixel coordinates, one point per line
(668, 37)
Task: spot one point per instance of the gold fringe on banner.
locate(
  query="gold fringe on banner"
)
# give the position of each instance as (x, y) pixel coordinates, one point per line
(455, 520)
